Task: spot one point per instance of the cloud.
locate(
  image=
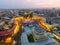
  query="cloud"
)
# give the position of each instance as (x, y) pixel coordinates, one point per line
(29, 3)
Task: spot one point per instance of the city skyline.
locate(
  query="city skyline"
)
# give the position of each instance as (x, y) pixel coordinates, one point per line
(29, 4)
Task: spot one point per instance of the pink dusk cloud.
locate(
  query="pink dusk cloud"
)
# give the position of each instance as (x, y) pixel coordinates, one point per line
(29, 3)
